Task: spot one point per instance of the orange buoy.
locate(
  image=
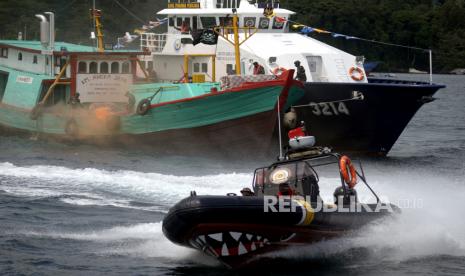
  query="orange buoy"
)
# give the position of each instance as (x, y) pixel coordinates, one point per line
(348, 171)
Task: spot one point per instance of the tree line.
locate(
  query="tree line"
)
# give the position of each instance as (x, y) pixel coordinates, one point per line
(429, 24)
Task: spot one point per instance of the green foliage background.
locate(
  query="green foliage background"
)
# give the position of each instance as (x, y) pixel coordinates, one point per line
(435, 24)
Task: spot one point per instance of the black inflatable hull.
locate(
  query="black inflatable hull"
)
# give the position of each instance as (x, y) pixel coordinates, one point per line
(370, 126)
(237, 230)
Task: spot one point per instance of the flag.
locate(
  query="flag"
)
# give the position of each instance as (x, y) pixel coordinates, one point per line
(128, 38)
(206, 36)
(280, 19)
(297, 26)
(139, 31)
(336, 35)
(157, 23)
(306, 30)
(321, 31)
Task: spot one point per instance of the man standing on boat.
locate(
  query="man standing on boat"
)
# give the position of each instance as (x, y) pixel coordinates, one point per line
(301, 76)
(258, 69)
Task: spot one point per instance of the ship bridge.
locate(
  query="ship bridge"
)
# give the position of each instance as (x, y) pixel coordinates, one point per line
(204, 14)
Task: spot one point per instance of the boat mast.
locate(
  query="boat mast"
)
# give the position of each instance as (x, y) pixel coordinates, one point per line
(223, 31)
(237, 50)
(97, 14)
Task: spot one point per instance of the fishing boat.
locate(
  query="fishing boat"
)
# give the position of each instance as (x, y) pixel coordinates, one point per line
(371, 126)
(283, 210)
(83, 93)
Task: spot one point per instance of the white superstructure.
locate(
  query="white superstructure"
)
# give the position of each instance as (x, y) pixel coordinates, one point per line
(272, 46)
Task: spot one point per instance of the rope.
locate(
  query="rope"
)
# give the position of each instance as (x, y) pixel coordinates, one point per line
(129, 12)
(364, 39)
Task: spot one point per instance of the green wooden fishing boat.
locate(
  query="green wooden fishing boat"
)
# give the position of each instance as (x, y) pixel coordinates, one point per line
(96, 96)
(82, 93)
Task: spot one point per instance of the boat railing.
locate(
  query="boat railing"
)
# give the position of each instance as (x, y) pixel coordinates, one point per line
(153, 42)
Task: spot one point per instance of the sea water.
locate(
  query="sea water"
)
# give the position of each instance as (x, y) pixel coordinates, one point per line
(79, 209)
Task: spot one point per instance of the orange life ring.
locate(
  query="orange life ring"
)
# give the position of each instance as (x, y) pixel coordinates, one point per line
(278, 71)
(347, 167)
(358, 76)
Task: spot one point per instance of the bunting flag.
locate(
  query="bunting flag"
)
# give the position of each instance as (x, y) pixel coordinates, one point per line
(320, 31)
(336, 35)
(280, 19)
(139, 31)
(297, 26)
(306, 30)
(158, 23)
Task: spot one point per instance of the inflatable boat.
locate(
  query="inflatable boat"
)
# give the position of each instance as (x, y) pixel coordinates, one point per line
(283, 209)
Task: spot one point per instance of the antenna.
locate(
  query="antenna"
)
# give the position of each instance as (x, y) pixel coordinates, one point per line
(279, 132)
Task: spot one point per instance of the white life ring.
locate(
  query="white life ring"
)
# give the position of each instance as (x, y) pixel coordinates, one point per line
(177, 44)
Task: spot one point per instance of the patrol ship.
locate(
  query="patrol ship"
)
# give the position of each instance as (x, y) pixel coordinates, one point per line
(333, 77)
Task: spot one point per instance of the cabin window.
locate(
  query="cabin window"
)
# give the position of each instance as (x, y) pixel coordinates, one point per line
(34, 59)
(230, 69)
(277, 24)
(187, 20)
(204, 67)
(264, 23)
(194, 23)
(179, 21)
(171, 21)
(46, 61)
(196, 67)
(226, 21)
(4, 53)
(82, 67)
(20, 56)
(93, 67)
(208, 22)
(104, 68)
(115, 67)
(150, 65)
(125, 68)
(249, 21)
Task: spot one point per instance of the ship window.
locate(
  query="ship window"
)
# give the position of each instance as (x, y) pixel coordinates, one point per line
(187, 21)
(82, 67)
(125, 68)
(264, 23)
(20, 56)
(249, 21)
(4, 53)
(179, 21)
(277, 24)
(104, 68)
(171, 21)
(230, 69)
(150, 65)
(226, 21)
(208, 22)
(93, 67)
(196, 67)
(194, 23)
(34, 59)
(115, 67)
(46, 61)
(204, 67)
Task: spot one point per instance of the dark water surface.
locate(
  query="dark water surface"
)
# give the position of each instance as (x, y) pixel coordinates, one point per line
(74, 210)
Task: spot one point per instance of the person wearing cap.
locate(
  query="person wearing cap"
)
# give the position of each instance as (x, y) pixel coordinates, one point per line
(301, 76)
(258, 69)
(247, 192)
